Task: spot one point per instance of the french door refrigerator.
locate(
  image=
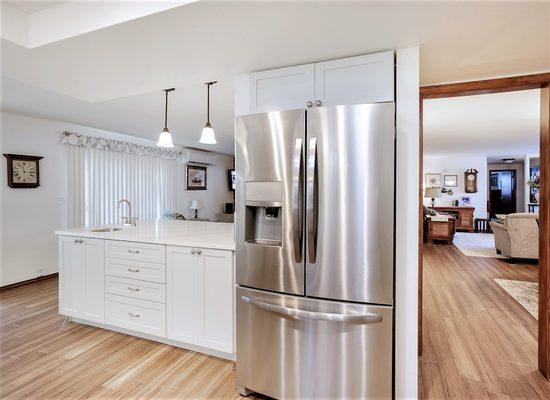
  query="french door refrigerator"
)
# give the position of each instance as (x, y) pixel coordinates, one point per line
(315, 252)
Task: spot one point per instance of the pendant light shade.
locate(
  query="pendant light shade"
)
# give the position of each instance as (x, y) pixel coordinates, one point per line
(208, 136)
(165, 137)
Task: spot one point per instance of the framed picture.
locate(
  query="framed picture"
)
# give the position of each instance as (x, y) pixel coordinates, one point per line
(433, 180)
(196, 177)
(450, 180)
(465, 200)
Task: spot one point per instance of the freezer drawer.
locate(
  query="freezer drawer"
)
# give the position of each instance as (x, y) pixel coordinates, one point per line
(295, 347)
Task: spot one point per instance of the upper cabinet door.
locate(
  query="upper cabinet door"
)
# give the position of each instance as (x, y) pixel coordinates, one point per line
(355, 80)
(282, 89)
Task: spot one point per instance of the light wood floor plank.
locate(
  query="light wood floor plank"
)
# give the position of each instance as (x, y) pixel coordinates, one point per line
(479, 343)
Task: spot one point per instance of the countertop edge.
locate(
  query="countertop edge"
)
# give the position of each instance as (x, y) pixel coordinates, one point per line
(167, 242)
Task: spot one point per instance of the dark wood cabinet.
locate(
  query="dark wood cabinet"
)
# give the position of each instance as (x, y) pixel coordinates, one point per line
(464, 216)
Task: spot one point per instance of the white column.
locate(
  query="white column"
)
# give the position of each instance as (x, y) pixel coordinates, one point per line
(406, 241)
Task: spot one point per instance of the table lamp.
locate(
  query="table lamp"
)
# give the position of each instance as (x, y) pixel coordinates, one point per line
(432, 193)
(195, 205)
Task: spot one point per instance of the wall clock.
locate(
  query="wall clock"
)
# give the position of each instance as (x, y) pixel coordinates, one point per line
(470, 180)
(23, 171)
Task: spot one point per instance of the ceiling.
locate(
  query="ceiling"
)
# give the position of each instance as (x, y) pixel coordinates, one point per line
(30, 7)
(113, 78)
(496, 125)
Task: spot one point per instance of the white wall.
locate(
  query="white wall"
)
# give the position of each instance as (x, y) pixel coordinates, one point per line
(30, 216)
(456, 165)
(216, 194)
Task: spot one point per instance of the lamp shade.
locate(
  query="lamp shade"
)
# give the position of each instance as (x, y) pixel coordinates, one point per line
(165, 139)
(432, 193)
(195, 205)
(208, 136)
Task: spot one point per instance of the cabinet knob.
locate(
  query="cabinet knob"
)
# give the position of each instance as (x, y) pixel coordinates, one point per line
(79, 241)
(309, 104)
(318, 103)
(199, 251)
(193, 251)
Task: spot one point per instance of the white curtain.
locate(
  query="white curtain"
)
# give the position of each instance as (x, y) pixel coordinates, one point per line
(98, 178)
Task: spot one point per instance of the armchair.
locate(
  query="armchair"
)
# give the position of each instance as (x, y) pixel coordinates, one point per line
(517, 236)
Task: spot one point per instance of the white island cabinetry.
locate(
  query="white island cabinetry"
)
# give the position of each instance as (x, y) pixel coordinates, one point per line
(200, 297)
(81, 277)
(175, 294)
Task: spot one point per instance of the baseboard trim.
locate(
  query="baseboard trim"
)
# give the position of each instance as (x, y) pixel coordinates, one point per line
(38, 279)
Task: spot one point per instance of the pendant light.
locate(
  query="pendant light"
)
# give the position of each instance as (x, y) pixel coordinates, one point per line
(208, 136)
(165, 137)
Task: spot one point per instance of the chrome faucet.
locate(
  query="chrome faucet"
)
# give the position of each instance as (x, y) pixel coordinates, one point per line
(127, 221)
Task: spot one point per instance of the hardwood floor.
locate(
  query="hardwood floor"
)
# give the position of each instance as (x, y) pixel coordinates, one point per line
(43, 358)
(478, 341)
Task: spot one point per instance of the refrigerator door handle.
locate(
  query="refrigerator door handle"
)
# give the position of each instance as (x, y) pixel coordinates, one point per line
(367, 318)
(297, 187)
(311, 208)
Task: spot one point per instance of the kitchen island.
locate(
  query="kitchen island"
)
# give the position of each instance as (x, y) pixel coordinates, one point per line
(169, 281)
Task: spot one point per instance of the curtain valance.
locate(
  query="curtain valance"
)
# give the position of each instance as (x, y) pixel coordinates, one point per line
(118, 146)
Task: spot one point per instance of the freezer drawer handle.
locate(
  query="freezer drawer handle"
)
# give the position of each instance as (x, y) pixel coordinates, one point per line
(319, 316)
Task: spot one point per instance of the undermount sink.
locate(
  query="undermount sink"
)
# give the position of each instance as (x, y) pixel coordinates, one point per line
(106, 229)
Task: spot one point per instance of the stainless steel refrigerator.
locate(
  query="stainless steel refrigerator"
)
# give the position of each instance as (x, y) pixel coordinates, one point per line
(315, 252)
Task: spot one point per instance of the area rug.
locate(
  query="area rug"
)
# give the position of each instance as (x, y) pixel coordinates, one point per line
(476, 244)
(525, 293)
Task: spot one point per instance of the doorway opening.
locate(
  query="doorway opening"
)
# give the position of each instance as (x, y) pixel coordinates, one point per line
(508, 184)
(502, 195)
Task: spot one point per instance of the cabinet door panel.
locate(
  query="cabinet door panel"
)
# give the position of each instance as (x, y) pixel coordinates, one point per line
(94, 303)
(182, 294)
(72, 276)
(216, 305)
(355, 80)
(281, 89)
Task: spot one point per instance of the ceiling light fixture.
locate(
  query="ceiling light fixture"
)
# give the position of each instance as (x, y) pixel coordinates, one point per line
(208, 136)
(165, 137)
(508, 160)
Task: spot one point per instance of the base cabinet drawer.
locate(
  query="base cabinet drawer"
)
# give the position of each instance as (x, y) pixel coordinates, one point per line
(155, 253)
(143, 271)
(136, 289)
(139, 315)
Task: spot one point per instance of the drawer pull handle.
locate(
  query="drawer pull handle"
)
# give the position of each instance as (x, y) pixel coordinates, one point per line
(133, 251)
(133, 270)
(133, 289)
(199, 252)
(134, 315)
(79, 241)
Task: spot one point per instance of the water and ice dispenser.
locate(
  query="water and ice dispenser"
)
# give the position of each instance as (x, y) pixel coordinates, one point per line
(264, 213)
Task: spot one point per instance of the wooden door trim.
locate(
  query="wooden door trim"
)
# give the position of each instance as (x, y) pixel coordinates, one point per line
(508, 84)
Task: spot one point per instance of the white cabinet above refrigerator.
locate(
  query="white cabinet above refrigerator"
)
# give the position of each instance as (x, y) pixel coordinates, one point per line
(354, 80)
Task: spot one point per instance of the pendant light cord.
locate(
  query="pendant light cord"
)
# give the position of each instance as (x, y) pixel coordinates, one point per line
(166, 107)
(208, 84)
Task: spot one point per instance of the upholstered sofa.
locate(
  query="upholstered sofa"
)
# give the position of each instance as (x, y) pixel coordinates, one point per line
(517, 236)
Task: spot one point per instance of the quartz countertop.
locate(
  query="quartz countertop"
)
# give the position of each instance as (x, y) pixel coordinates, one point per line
(209, 235)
